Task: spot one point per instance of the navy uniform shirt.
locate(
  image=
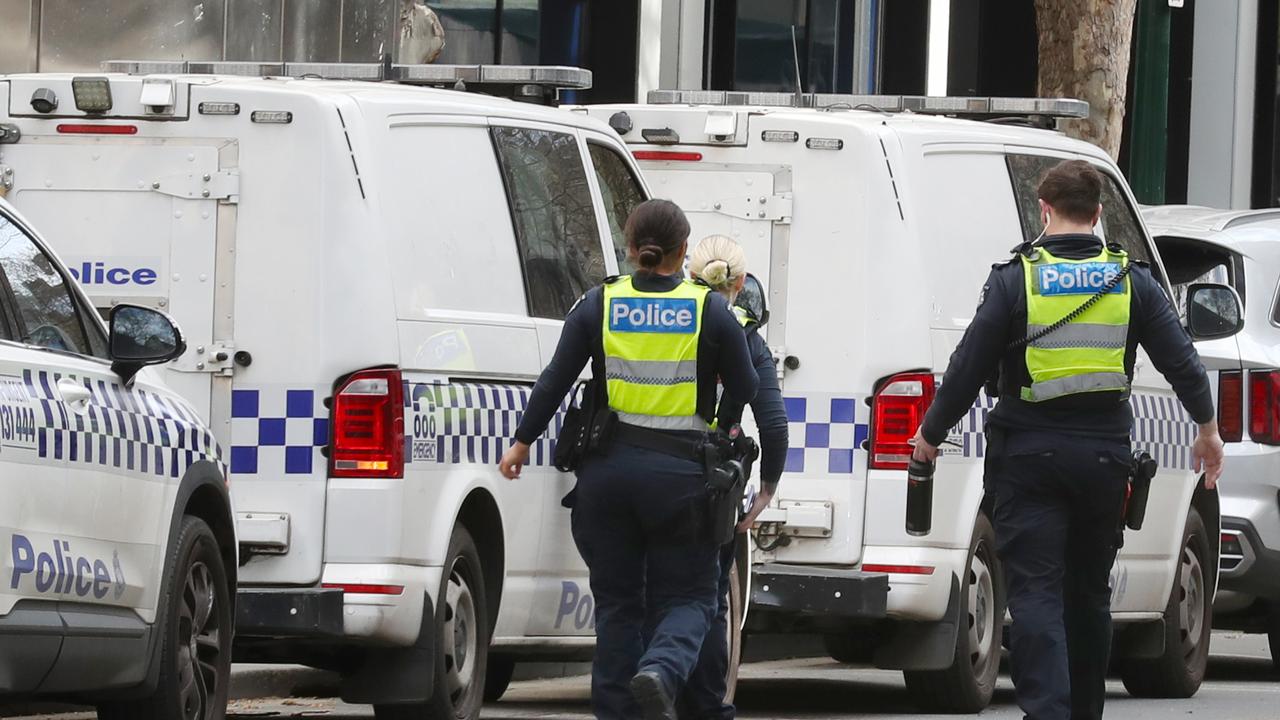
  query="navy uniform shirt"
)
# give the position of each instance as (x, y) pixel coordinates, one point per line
(767, 408)
(722, 351)
(1001, 319)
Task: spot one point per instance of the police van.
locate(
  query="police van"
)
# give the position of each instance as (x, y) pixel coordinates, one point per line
(371, 276)
(873, 221)
(117, 538)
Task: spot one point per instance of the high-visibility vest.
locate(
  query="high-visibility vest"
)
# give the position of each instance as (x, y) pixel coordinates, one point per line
(1086, 354)
(651, 354)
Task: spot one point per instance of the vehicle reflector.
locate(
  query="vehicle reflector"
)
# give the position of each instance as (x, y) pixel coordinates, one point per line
(362, 589)
(1231, 405)
(367, 428)
(92, 94)
(280, 117)
(667, 155)
(899, 569)
(1264, 406)
(219, 108)
(89, 129)
(897, 411)
(780, 136)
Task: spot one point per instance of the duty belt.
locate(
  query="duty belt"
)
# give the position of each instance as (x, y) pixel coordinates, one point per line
(686, 448)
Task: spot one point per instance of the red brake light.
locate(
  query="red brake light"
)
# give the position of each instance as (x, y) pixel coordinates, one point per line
(364, 589)
(89, 129)
(367, 437)
(896, 413)
(667, 155)
(899, 569)
(1264, 406)
(1231, 405)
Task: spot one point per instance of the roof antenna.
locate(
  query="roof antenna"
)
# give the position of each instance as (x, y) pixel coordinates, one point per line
(795, 55)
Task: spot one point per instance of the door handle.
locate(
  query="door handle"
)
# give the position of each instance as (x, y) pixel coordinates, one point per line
(74, 395)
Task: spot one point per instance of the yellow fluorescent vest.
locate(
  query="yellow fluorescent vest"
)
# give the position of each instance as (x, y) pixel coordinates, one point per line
(1086, 354)
(651, 354)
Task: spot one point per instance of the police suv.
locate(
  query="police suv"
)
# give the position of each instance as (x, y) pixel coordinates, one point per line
(372, 275)
(118, 556)
(873, 221)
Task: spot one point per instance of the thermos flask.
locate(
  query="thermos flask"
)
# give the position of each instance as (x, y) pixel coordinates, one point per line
(919, 497)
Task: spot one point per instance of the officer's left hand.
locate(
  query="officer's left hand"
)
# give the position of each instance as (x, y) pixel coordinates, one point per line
(513, 460)
(923, 451)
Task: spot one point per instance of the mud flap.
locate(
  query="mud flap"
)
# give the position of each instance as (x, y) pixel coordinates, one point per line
(923, 645)
(396, 675)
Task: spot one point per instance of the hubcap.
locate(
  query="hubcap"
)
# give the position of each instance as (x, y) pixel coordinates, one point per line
(198, 648)
(981, 611)
(1191, 602)
(460, 626)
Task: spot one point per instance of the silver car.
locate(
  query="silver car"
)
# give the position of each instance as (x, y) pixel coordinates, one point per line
(1240, 249)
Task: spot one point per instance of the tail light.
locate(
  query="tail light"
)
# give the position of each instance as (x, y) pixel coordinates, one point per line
(897, 412)
(1264, 406)
(367, 437)
(1231, 405)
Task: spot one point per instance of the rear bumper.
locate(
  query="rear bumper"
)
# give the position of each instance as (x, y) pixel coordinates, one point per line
(816, 591)
(1257, 570)
(310, 613)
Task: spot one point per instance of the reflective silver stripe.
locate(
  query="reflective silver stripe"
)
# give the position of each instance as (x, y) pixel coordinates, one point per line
(1089, 382)
(651, 372)
(663, 422)
(1081, 335)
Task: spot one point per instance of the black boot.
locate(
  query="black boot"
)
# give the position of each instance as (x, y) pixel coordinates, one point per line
(654, 701)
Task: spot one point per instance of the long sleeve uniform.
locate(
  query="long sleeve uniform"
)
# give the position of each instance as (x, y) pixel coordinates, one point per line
(767, 408)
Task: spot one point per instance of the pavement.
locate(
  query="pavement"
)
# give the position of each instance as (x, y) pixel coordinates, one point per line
(1241, 685)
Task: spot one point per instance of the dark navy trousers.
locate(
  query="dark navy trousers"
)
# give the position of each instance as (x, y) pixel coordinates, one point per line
(639, 521)
(703, 697)
(1059, 499)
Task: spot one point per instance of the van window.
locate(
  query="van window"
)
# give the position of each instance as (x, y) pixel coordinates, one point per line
(46, 310)
(1119, 221)
(554, 220)
(621, 193)
(1188, 262)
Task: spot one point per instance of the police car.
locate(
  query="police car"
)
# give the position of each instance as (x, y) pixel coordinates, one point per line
(117, 544)
(372, 276)
(873, 221)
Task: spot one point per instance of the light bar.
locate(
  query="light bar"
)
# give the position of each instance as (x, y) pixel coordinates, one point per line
(278, 117)
(964, 106)
(219, 108)
(669, 155)
(89, 129)
(818, 143)
(780, 136)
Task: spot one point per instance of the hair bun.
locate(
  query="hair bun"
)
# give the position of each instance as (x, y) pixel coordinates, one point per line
(650, 256)
(715, 273)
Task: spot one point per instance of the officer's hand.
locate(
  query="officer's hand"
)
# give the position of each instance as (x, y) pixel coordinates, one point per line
(1206, 454)
(923, 450)
(515, 458)
(763, 498)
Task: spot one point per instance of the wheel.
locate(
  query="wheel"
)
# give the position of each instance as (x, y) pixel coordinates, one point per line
(497, 678)
(967, 686)
(462, 641)
(1273, 635)
(195, 635)
(1187, 618)
(737, 608)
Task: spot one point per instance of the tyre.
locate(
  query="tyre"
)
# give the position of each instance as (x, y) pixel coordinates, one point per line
(737, 608)
(195, 635)
(462, 641)
(497, 678)
(1273, 635)
(1178, 672)
(967, 686)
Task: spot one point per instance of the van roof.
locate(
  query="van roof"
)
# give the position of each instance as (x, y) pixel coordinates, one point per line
(1255, 233)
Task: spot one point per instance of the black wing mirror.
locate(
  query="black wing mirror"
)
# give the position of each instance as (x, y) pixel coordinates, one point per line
(1213, 311)
(141, 336)
(752, 299)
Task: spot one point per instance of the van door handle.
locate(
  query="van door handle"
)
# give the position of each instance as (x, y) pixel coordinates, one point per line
(74, 395)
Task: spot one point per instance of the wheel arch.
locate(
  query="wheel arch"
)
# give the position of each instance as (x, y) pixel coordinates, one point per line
(481, 517)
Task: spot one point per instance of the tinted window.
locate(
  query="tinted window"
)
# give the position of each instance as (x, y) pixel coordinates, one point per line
(555, 224)
(1188, 262)
(621, 193)
(46, 312)
(1119, 221)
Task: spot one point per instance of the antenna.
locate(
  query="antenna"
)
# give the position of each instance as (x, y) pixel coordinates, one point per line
(795, 55)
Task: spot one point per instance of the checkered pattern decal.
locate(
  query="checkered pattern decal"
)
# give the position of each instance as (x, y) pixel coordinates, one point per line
(128, 429)
(824, 434)
(278, 430)
(470, 423)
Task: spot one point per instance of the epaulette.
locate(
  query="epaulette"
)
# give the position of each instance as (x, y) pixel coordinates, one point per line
(612, 279)
(1115, 247)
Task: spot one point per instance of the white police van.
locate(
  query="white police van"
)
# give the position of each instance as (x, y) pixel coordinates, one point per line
(117, 539)
(372, 276)
(873, 222)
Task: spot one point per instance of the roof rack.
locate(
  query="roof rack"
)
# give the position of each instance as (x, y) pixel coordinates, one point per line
(1045, 110)
(530, 83)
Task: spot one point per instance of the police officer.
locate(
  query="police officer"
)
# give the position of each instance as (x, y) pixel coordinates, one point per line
(721, 263)
(640, 508)
(1058, 438)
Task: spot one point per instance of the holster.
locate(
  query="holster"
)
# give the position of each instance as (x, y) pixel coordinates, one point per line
(587, 427)
(727, 460)
(1141, 473)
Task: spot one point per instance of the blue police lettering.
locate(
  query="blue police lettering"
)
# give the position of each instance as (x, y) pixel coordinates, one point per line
(653, 315)
(60, 571)
(1077, 278)
(97, 273)
(576, 606)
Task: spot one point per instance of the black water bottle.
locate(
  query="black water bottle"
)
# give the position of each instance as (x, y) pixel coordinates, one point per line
(919, 497)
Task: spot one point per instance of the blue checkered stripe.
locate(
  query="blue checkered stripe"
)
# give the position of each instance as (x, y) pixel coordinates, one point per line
(824, 432)
(458, 423)
(278, 430)
(126, 429)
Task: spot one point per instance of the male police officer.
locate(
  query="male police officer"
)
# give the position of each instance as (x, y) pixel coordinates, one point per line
(1058, 448)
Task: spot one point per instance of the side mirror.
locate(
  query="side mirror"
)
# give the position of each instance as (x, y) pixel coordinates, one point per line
(1213, 311)
(752, 299)
(142, 336)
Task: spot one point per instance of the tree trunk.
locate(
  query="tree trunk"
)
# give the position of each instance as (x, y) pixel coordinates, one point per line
(1084, 54)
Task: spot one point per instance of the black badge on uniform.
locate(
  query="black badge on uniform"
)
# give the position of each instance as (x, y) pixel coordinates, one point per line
(982, 295)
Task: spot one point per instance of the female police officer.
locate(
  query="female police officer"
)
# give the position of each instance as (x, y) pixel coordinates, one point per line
(639, 517)
(720, 262)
